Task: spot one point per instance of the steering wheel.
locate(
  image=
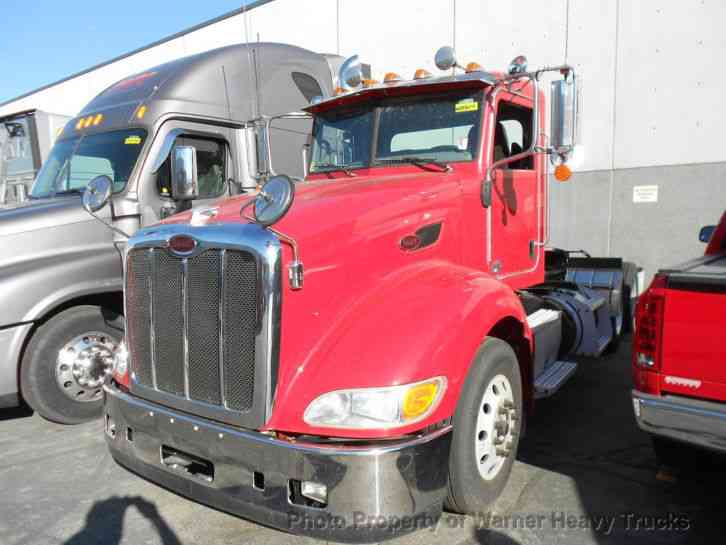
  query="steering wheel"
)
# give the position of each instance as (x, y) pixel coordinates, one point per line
(325, 146)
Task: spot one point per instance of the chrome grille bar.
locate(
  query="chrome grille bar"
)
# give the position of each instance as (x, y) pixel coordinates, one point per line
(222, 291)
(185, 322)
(151, 316)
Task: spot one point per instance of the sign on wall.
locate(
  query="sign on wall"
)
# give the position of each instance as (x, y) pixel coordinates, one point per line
(645, 193)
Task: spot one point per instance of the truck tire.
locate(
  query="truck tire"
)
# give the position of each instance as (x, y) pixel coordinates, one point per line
(486, 429)
(64, 365)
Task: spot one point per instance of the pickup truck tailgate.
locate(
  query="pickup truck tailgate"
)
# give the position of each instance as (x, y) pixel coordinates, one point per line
(694, 334)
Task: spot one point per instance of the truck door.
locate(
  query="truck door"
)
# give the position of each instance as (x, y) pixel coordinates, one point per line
(516, 205)
(215, 167)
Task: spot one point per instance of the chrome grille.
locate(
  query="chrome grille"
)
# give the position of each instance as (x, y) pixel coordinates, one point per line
(240, 319)
(192, 325)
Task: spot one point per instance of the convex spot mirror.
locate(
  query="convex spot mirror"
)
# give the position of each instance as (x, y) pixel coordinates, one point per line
(706, 233)
(563, 116)
(184, 179)
(351, 73)
(445, 58)
(97, 193)
(274, 200)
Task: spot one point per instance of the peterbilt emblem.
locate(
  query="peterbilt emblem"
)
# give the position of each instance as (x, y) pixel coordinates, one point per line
(182, 244)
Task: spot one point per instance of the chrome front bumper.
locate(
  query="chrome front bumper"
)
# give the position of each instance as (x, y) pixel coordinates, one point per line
(701, 423)
(373, 493)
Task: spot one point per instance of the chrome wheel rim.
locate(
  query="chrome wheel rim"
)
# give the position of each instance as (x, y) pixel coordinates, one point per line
(495, 427)
(83, 364)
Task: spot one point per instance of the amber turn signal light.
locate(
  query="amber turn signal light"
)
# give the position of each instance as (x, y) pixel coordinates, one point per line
(419, 399)
(563, 173)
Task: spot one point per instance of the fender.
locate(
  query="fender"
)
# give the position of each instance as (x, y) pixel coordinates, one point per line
(419, 322)
(45, 269)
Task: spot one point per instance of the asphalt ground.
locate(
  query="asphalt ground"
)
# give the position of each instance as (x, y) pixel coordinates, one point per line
(585, 475)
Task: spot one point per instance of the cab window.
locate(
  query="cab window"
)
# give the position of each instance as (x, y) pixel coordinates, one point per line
(513, 134)
(211, 167)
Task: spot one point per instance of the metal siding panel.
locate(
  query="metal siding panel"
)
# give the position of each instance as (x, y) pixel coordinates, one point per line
(670, 97)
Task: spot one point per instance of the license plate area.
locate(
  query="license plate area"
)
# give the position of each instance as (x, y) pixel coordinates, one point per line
(191, 465)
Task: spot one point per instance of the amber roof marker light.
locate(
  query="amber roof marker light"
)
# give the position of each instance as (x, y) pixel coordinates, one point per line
(391, 77)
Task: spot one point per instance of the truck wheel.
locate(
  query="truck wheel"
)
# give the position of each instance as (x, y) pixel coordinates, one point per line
(487, 424)
(65, 364)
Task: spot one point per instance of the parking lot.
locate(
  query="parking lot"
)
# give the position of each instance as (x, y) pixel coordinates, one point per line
(585, 475)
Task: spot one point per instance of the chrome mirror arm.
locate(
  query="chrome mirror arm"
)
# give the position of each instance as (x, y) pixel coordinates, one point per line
(112, 227)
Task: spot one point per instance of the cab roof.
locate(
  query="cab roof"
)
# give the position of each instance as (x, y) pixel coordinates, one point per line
(469, 80)
(218, 83)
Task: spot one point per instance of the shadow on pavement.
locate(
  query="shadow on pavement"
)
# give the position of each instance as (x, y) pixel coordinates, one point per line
(587, 432)
(16, 412)
(104, 522)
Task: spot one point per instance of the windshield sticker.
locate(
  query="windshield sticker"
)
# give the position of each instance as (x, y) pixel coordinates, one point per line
(466, 105)
(132, 140)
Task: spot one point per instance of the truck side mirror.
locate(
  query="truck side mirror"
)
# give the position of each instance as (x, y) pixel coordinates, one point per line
(563, 116)
(184, 180)
(706, 233)
(97, 194)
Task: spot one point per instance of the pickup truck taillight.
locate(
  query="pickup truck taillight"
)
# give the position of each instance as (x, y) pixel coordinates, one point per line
(647, 343)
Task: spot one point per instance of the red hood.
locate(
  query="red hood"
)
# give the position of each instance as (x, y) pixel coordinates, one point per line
(351, 209)
(348, 232)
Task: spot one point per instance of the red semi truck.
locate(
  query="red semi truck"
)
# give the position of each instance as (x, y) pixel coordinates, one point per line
(679, 357)
(372, 357)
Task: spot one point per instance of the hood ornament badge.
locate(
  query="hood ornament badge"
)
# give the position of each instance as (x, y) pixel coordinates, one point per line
(182, 244)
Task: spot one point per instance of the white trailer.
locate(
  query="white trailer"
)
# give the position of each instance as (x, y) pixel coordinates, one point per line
(25, 140)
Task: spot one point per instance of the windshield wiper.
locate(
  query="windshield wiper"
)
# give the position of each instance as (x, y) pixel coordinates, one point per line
(52, 194)
(330, 167)
(418, 161)
(69, 191)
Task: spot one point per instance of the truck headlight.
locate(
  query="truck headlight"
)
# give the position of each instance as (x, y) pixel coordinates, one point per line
(366, 408)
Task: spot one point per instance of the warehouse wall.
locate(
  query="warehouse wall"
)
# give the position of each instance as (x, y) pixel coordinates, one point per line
(651, 112)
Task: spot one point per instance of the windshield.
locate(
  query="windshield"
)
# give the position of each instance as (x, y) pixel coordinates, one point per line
(74, 162)
(443, 129)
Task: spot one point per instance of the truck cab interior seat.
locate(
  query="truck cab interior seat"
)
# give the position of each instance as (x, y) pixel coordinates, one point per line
(501, 149)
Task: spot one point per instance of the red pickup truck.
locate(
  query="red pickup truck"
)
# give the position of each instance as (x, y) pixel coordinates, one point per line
(679, 354)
